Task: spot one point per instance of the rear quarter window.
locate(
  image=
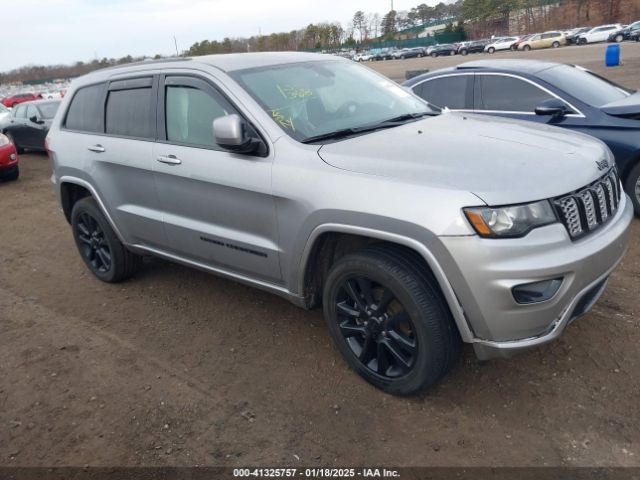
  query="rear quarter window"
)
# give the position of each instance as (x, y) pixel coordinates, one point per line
(86, 109)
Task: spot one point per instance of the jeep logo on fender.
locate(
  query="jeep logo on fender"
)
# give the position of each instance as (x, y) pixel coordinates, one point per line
(602, 164)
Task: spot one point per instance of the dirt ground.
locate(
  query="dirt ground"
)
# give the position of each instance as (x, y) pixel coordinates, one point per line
(177, 367)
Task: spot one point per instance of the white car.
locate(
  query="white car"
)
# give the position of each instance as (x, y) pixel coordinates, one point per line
(4, 113)
(503, 43)
(363, 57)
(598, 34)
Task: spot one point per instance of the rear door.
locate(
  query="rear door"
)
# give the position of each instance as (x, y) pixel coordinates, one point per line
(218, 206)
(109, 130)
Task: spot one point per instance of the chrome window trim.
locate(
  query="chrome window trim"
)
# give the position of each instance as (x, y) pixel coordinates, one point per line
(579, 113)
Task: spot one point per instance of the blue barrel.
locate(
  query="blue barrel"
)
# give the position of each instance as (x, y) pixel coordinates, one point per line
(612, 57)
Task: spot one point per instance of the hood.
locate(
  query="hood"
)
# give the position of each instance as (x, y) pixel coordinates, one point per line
(626, 107)
(499, 160)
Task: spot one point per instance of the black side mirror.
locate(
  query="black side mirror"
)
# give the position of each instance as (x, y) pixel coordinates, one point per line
(554, 107)
(35, 119)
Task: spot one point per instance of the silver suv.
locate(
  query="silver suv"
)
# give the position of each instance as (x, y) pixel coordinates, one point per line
(319, 180)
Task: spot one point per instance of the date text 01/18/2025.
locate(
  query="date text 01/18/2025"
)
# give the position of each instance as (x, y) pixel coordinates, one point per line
(315, 473)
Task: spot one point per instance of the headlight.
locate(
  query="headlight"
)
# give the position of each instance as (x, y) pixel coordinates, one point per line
(3, 140)
(506, 222)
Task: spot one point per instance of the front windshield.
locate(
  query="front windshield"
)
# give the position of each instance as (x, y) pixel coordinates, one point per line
(584, 85)
(317, 98)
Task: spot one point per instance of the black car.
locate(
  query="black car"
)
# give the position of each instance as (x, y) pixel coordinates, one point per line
(625, 33)
(635, 36)
(473, 47)
(29, 124)
(561, 95)
(416, 52)
(573, 36)
(444, 49)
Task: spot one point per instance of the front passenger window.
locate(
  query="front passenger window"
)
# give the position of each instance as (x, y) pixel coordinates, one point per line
(190, 113)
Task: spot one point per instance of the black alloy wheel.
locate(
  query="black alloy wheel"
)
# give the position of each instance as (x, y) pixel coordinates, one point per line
(376, 327)
(100, 249)
(389, 320)
(93, 245)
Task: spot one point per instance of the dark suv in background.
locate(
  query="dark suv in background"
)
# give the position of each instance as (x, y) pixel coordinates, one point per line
(473, 47)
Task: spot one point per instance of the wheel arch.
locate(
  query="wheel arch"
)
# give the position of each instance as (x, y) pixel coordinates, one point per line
(72, 189)
(329, 242)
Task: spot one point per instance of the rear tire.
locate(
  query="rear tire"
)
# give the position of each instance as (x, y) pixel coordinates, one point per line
(491, 50)
(555, 44)
(102, 252)
(434, 54)
(389, 320)
(10, 175)
(463, 52)
(632, 187)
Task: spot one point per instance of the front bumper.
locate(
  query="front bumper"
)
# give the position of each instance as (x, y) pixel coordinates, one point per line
(6, 154)
(488, 269)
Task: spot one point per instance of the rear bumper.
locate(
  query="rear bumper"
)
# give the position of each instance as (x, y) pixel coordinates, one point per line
(489, 269)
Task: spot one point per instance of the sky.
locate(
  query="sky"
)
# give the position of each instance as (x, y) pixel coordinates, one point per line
(65, 31)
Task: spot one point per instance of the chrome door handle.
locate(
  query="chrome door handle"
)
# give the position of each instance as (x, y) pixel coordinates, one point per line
(169, 159)
(96, 148)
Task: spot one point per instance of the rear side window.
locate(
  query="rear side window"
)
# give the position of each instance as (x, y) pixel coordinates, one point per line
(85, 111)
(129, 113)
(507, 94)
(450, 92)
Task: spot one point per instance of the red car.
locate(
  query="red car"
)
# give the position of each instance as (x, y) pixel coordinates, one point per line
(8, 160)
(20, 98)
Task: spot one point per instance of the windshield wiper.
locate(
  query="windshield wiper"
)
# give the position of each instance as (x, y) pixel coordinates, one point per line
(389, 123)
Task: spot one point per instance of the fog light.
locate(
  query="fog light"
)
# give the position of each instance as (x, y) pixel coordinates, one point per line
(536, 292)
(12, 156)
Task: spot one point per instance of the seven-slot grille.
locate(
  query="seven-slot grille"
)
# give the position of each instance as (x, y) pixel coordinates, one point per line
(590, 207)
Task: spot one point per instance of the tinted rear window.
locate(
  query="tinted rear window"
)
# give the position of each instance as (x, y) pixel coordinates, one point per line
(85, 111)
(129, 113)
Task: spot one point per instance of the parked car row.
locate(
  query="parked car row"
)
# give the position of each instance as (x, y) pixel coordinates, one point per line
(534, 41)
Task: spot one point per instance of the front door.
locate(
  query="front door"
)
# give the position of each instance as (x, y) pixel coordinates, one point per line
(218, 206)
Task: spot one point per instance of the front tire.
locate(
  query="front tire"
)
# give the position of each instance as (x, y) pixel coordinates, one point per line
(555, 44)
(434, 54)
(526, 48)
(463, 52)
(389, 320)
(100, 249)
(632, 187)
(491, 50)
(10, 175)
(619, 38)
